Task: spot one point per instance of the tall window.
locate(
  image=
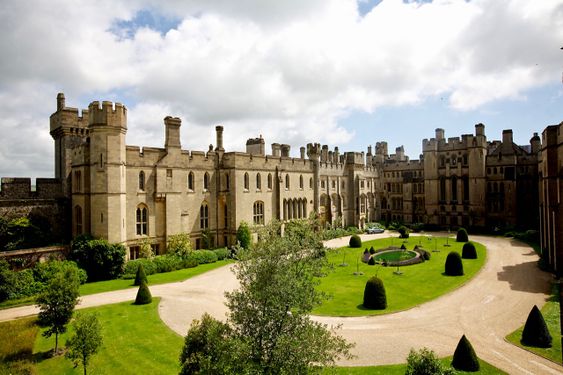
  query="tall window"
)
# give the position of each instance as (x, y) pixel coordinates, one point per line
(206, 181)
(246, 181)
(204, 216)
(77, 181)
(300, 181)
(465, 188)
(226, 215)
(269, 181)
(191, 181)
(142, 181)
(258, 181)
(287, 181)
(142, 222)
(454, 188)
(78, 219)
(258, 213)
(227, 182)
(442, 188)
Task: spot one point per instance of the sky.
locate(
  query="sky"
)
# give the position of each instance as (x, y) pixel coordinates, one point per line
(346, 73)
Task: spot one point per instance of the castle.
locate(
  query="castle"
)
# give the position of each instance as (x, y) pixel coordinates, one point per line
(127, 194)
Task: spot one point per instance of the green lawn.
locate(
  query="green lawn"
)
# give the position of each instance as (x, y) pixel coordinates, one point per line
(157, 278)
(417, 284)
(486, 369)
(118, 284)
(136, 341)
(550, 312)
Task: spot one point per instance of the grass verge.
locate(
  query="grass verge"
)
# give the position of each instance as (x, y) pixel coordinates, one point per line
(415, 285)
(550, 312)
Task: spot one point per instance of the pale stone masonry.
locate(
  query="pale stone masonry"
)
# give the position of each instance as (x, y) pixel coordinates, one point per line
(127, 193)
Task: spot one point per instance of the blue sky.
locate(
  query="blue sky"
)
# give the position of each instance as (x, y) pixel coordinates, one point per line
(338, 72)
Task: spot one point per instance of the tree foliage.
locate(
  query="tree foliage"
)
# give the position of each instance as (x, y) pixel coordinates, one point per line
(243, 235)
(56, 303)
(269, 314)
(100, 259)
(86, 341)
(425, 362)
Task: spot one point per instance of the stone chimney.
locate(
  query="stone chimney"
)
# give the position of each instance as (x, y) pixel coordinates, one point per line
(219, 133)
(172, 137)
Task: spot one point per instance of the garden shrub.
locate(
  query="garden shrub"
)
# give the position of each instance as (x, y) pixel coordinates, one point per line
(371, 261)
(425, 362)
(462, 235)
(43, 272)
(371, 250)
(374, 294)
(535, 331)
(454, 265)
(204, 256)
(355, 241)
(465, 358)
(167, 263)
(469, 251)
(424, 254)
(243, 235)
(100, 259)
(403, 247)
(222, 253)
(140, 277)
(179, 244)
(131, 267)
(403, 232)
(143, 295)
(17, 284)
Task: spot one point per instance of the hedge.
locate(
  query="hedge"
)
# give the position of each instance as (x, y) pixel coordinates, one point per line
(461, 235)
(469, 251)
(374, 294)
(355, 241)
(454, 266)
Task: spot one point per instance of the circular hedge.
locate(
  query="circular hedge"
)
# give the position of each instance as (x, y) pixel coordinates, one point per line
(469, 251)
(374, 294)
(454, 266)
(355, 241)
(462, 235)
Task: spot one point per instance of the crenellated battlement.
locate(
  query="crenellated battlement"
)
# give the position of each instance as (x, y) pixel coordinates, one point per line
(107, 113)
(20, 188)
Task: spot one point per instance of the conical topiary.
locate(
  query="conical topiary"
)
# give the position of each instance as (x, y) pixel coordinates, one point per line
(374, 294)
(371, 250)
(371, 261)
(469, 251)
(140, 276)
(465, 358)
(462, 235)
(535, 331)
(403, 247)
(143, 295)
(454, 266)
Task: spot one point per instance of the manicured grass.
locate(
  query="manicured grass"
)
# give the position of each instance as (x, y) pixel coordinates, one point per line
(417, 284)
(17, 302)
(16, 345)
(550, 312)
(157, 278)
(486, 369)
(136, 341)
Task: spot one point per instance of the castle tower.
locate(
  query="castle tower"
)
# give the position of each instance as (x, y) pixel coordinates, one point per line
(108, 125)
(68, 130)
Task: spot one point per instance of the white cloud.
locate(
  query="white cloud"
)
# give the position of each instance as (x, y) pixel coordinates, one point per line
(288, 70)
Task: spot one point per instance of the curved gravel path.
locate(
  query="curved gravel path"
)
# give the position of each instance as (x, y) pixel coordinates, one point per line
(494, 303)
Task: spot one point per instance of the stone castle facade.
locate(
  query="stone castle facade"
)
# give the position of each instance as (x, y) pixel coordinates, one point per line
(127, 194)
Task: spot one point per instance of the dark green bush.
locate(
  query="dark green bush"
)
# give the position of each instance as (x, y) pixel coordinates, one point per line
(465, 358)
(43, 272)
(148, 265)
(100, 259)
(140, 277)
(469, 251)
(425, 362)
(374, 294)
(143, 295)
(222, 253)
(462, 235)
(243, 235)
(403, 232)
(403, 247)
(371, 261)
(454, 266)
(355, 241)
(425, 254)
(17, 284)
(535, 331)
(371, 250)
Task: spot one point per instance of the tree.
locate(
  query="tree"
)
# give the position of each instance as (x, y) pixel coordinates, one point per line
(86, 341)
(465, 358)
(243, 235)
(145, 249)
(425, 362)
(56, 303)
(535, 331)
(140, 276)
(100, 259)
(269, 314)
(179, 244)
